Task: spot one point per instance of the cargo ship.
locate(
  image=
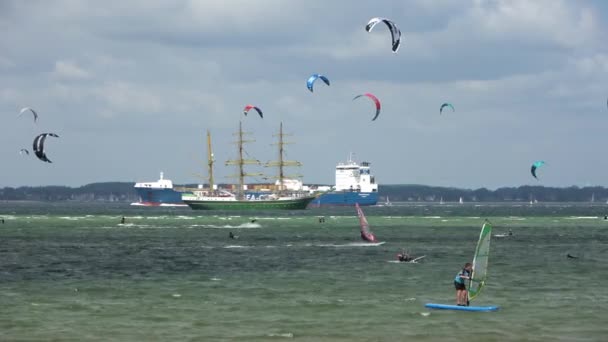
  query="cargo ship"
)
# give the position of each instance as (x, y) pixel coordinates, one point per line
(278, 197)
(354, 185)
(159, 193)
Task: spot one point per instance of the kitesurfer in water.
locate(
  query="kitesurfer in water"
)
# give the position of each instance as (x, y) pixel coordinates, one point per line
(232, 236)
(2, 220)
(404, 256)
(459, 283)
(510, 232)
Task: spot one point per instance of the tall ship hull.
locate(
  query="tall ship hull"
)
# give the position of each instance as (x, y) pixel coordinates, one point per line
(214, 204)
(354, 185)
(159, 193)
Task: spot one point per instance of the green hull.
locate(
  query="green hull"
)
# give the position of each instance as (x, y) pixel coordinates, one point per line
(292, 204)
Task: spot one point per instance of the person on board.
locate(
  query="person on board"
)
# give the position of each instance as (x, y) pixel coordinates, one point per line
(2, 220)
(459, 283)
(510, 232)
(232, 236)
(404, 256)
(569, 256)
(122, 220)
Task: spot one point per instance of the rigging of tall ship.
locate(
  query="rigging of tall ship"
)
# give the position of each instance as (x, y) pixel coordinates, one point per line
(278, 196)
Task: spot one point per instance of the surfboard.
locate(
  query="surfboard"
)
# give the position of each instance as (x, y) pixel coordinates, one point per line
(460, 308)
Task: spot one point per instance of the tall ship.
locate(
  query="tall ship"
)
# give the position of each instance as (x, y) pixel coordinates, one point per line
(354, 185)
(278, 197)
(159, 193)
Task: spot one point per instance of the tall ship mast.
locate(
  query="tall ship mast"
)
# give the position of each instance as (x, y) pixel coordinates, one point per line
(240, 162)
(239, 199)
(281, 163)
(210, 161)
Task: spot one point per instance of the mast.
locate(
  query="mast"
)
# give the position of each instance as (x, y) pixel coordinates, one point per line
(210, 160)
(241, 162)
(281, 162)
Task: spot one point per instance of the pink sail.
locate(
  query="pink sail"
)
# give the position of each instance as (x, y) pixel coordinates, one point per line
(365, 233)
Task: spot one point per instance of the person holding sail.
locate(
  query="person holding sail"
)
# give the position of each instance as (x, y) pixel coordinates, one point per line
(459, 283)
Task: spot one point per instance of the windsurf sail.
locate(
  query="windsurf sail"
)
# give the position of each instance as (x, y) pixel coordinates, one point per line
(480, 261)
(366, 234)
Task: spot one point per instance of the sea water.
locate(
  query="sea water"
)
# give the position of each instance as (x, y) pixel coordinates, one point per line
(71, 271)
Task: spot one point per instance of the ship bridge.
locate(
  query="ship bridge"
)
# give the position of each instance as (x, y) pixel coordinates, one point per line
(353, 176)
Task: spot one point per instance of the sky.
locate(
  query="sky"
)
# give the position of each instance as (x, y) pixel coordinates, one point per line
(131, 88)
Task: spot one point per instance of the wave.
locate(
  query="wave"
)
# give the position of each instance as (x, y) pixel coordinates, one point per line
(71, 218)
(286, 335)
(582, 217)
(354, 244)
(240, 226)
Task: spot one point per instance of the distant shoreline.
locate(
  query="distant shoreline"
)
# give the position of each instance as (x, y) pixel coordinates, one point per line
(124, 192)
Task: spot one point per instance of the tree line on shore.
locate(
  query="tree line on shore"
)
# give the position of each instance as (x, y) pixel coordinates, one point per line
(124, 192)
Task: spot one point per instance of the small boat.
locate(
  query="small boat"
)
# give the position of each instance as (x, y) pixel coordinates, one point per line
(388, 202)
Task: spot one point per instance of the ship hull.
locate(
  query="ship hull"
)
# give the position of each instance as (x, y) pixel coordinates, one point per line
(291, 204)
(157, 197)
(346, 198)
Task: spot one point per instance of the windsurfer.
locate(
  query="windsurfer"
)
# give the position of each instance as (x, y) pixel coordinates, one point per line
(404, 256)
(459, 283)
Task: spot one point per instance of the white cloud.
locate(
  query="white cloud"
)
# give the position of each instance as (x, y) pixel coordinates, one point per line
(129, 99)
(6, 63)
(69, 70)
(528, 72)
(562, 22)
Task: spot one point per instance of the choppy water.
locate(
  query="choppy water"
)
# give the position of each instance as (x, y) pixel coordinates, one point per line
(73, 272)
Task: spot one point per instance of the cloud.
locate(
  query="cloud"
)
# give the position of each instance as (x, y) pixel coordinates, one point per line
(68, 70)
(6, 63)
(149, 77)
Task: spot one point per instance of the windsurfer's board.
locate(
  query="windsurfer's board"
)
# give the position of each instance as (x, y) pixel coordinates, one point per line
(461, 308)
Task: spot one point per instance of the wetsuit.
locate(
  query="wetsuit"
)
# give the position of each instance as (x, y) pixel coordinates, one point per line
(459, 282)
